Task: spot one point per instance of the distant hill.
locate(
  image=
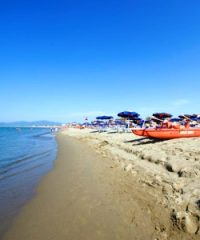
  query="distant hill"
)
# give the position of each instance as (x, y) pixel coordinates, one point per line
(28, 124)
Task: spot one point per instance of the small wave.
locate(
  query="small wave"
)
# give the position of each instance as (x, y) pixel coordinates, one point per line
(5, 176)
(41, 134)
(11, 159)
(23, 157)
(22, 161)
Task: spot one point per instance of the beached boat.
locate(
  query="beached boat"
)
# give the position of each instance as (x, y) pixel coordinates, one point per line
(167, 133)
(139, 131)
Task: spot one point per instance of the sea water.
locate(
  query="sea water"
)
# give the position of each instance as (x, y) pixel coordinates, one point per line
(26, 154)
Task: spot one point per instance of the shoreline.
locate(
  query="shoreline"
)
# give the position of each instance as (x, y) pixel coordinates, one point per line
(87, 195)
(26, 157)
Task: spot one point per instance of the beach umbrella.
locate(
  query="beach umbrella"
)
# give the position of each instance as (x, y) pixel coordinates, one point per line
(104, 117)
(194, 115)
(195, 119)
(162, 115)
(188, 116)
(101, 120)
(175, 119)
(128, 115)
(182, 117)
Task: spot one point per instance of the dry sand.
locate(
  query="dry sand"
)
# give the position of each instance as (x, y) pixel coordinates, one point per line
(89, 196)
(169, 167)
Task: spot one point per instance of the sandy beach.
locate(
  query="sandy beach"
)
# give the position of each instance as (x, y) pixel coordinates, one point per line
(115, 186)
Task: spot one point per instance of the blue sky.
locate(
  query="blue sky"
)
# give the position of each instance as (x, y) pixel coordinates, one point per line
(64, 60)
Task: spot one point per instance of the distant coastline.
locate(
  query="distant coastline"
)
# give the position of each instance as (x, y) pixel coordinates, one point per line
(42, 123)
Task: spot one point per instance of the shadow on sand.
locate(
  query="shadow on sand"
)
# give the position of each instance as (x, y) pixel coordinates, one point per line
(144, 141)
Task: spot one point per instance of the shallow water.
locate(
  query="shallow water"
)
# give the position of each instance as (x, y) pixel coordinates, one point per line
(26, 154)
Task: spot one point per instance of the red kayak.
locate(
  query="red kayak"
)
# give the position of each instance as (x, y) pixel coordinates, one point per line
(167, 133)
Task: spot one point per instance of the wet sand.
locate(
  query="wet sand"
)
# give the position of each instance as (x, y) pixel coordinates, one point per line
(88, 196)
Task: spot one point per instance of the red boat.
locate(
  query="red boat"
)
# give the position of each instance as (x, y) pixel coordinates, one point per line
(167, 133)
(139, 131)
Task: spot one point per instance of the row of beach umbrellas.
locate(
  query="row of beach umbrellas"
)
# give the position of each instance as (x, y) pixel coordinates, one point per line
(125, 114)
(135, 118)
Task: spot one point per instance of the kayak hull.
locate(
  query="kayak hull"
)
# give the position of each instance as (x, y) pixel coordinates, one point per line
(139, 131)
(166, 133)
